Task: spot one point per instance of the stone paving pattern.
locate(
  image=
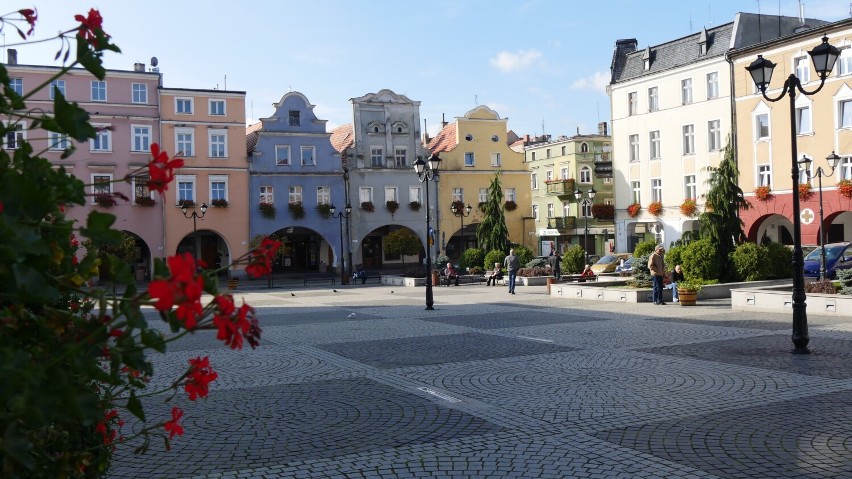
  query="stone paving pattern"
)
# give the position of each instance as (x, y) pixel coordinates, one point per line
(492, 385)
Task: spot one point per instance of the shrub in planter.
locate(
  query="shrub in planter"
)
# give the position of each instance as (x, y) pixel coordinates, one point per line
(219, 203)
(494, 256)
(297, 210)
(537, 263)
(674, 257)
(441, 261)
(751, 262)
(825, 286)
(472, 257)
(701, 260)
(510, 205)
(780, 260)
(368, 206)
(324, 210)
(644, 248)
(392, 206)
(145, 201)
(573, 260)
(414, 206)
(641, 273)
(266, 209)
(536, 271)
(524, 254)
(844, 276)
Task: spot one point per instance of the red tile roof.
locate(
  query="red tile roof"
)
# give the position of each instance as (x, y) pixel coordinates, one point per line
(342, 137)
(445, 140)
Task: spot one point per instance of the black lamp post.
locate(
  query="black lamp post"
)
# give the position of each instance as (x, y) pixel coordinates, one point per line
(428, 171)
(805, 162)
(348, 227)
(578, 195)
(462, 215)
(346, 213)
(194, 215)
(823, 56)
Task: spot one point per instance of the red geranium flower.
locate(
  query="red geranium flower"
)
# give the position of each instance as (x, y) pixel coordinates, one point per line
(236, 325)
(200, 376)
(172, 426)
(260, 262)
(161, 169)
(91, 26)
(183, 288)
(30, 15)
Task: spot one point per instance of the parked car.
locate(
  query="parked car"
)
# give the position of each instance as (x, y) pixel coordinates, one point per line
(625, 267)
(838, 256)
(608, 263)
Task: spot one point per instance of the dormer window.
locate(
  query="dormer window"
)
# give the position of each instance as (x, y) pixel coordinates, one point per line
(702, 43)
(376, 127)
(646, 59)
(294, 118)
(399, 127)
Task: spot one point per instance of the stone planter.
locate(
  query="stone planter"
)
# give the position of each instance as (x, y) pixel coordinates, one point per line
(532, 280)
(414, 282)
(687, 297)
(392, 280)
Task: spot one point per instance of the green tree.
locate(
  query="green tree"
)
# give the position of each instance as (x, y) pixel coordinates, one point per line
(721, 223)
(402, 242)
(492, 232)
(573, 260)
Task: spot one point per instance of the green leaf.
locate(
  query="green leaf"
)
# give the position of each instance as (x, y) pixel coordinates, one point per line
(72, 119)
(98, 229)
(134, 405)
(89, 59)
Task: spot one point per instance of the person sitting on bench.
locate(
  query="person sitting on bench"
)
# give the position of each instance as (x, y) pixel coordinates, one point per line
(496, 275)
(587, 274)
(360, 273)
(451, 274)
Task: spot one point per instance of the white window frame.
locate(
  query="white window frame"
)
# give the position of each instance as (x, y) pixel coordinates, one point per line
(804, 119)
(267, 194)
(690, 187)
(632, 103)
(323, 195)
(586, 208)
(686, 91)
(483, 195)
(535, 212)
(17, 85)
(391, 194)
(548, 176)
(563, 173)
(654, 144)
(181, 104)
(633, 148)
(101, 184)
(140, 141)
(181, 180)
(802, 67)
(139, 93)
(313, 155)
(844, 62)
(217, 141)
(714, 135)
(415, 194)
(585, 174)
(185, 142)
(140, 189)
(294, 194)
(279, 161)
(102, 135)
(98, 90)
(712, 85)
(551, 211)
(764, 175)
(845, 167)
(57, 141)
(469, 159)
(400, 157)
(496, 160)
(377, 157)
(56, 85)
(844, 110)
(653, 98)
(215, 179)
(759, 127)
(566, 208)
(458, 194)
(656, 190)
(212, 103)
(534, 180)
(14, 138)
(510, 194)
(365, 194)
(688, 139)
(636, 188)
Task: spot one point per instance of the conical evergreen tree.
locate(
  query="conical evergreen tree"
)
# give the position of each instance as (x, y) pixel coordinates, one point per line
(720, 222)
(492, 233)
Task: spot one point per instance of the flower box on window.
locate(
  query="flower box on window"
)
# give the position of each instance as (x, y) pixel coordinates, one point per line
(414, 205)
(603, 212)
(655, 208)
(457, 205)
(368, 206)
(392, 206)
(688, 207)
(845, 188)
(324, 210)
(266, 209)
(805, 191)
(510, 205)
(220, 203)
(186, 204)
(634, 209)
(145, 201)
(297, 210)
(104, 200)
(763, 193)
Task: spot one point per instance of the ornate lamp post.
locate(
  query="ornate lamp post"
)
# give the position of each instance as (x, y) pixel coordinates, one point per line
(194, 215)
(346, 213)
(590, 195)
(805, 163)
(428, 171)
(823, 56)
(462, 215)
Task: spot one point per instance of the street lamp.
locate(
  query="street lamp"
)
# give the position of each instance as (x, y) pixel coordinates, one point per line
(194, 215)
(805, 163)
(462, 215)
(823, 56)
(339, 216)
(578, 195)
(428, 171)
(348, 226)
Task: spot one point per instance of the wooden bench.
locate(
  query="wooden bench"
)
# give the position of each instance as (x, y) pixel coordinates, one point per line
(320, 278)
(369, 275)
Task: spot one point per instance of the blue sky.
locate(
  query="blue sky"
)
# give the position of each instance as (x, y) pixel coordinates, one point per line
(543, 64)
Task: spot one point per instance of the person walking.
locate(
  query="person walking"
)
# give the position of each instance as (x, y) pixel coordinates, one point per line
(555, 262)
(657, 266)
(512, 263)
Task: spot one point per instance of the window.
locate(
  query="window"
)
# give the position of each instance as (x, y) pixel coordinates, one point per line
(548, 176)
(509, 194)
(308, 154)
(185, 141)
(139, 93)
(654, 138)
(714, 135)
(282, 155)
(689, 187)
(365, 194)
(218, 187)
(468, 159)
(803, 120)
(550, 210)
(58, 141)
(400, 157)
(635, 186)
(185, 188)
(688, 139)
(15, 136)
(102, 140)
(844, 63)
(686, 91)
(183, 106)
(495, 159)
(101, 184)
(532, 156)
(584, 148)
(57, 86)
(414, 194)
(845, 167)
(266, 195)
(761, 126)
(217, 107)
(634, 148)
(141, 138)
(140, 187)
(547, 153)
(390, 194)
(563, 173)
(632, 103)
(653, 99)
(566, 208)
(534, 181)
(99, 92)
(846, 114)
(586, 208)
(294, 118)
(535, 212)
(764, 175)
(17, 85)
(585, 175)
(458, 194)
(323, 195)
(803, 70)
(483, 195)
(218, 140)
(377, 157)
(656, 189)
(294, 194)
(712, 85)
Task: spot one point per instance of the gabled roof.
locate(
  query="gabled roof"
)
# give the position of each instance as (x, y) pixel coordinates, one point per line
(342, 137)
(445, 140)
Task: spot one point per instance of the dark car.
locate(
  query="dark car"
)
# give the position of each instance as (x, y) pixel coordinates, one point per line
(838, 256)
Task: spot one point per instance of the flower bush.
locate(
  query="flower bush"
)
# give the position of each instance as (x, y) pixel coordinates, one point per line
(763, 193)
(845, 188)
(324, 210)
(296, 209)
(655, 208)
(368, 206)
(634, 209)
(186, 204)
(805, 191)
(145, 201)
(392, 206)
(603, 212)
(219, 203)
(267, 210)
(688, 207)
(510, 205)
(414, 206)
(105, 200)
(74, 357)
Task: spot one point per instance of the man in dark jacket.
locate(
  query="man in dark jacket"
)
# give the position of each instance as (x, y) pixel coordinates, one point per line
(657, 266)
(512, 263)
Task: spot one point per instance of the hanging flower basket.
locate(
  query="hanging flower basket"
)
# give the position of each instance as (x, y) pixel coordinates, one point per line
(805, 192)
(145, 201)
(763, 193)
(633, 210)
(511, 206)
(392, 206)
(368, 206)
(297, 210)
(219, 203)
(655, 208)
(324, 210)
(603, 212)
(845, 188)
(688, 207)
(266, 209)
(414, 205)
(104, 200)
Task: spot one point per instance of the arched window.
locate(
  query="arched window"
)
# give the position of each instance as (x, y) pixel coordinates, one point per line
(585, 175)
(584, 148)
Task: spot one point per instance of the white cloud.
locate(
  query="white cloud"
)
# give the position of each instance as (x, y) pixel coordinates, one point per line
(520, 60)
(597, 81)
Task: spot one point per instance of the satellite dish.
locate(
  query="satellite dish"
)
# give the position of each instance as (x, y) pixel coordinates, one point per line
(154, 61)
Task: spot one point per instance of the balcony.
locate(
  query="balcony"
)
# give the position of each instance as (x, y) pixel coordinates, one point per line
(562, 222)
(560, 187)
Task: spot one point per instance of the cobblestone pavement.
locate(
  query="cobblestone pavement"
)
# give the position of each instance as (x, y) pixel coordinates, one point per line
(365, 383)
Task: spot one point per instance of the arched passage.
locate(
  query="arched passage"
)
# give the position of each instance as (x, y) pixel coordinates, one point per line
(208, 247)
(304, 250)
(374, 257)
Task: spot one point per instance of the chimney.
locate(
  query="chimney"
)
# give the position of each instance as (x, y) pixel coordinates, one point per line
(602, 129)
(139, 67)
(443, 120)
(11, 56)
